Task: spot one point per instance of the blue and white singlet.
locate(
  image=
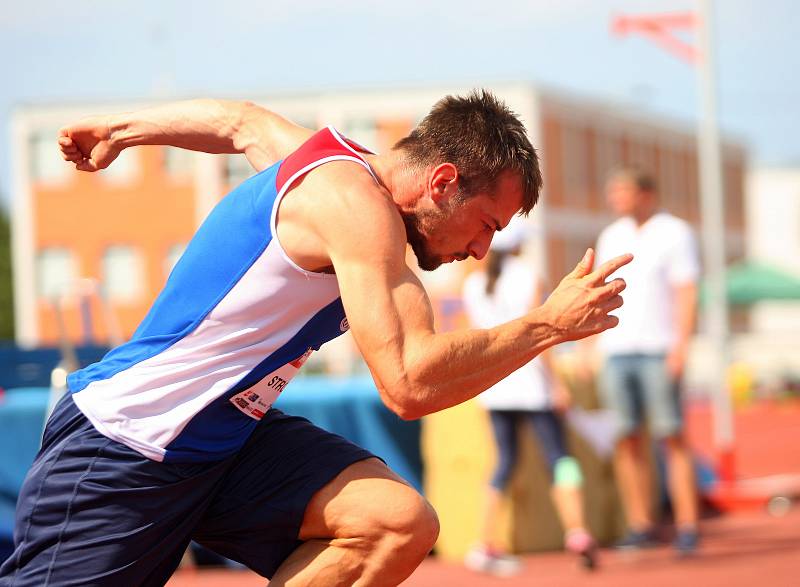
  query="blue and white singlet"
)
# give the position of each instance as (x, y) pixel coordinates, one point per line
(233, 324)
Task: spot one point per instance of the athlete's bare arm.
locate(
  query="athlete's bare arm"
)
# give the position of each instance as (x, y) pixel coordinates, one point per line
(417, 370)
(211, 126)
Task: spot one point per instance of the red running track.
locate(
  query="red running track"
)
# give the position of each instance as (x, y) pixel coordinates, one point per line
(747, 549)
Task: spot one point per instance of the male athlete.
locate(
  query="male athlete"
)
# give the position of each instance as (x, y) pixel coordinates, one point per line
(171, 436)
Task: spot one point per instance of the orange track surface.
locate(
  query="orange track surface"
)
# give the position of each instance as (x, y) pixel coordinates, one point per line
(737, 550)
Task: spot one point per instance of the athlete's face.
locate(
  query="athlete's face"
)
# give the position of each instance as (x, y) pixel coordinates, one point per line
(456, 228)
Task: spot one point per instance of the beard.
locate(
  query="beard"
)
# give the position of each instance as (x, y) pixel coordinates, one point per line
(417, 223)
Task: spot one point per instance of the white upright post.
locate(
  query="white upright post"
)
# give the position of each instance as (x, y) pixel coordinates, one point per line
(713, 238)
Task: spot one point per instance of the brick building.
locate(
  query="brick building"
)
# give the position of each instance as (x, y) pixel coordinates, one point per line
(101, 245)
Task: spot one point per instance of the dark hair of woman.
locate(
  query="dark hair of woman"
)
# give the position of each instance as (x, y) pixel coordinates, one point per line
(494, 265)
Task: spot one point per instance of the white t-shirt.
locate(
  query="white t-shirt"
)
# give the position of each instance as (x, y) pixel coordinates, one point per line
(526, 388)
(665, 256)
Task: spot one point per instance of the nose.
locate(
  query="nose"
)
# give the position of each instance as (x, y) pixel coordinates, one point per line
(480, 246)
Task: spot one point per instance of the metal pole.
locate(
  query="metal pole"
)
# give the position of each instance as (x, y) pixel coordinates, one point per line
(713, 224)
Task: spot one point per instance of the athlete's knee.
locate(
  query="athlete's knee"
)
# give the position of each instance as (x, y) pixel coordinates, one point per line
(411, 524)
(401, 528)
(425, 523)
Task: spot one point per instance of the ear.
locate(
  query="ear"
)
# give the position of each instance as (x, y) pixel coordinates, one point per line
(443, 183)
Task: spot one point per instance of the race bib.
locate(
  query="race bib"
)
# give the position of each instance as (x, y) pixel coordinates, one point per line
(259, 398)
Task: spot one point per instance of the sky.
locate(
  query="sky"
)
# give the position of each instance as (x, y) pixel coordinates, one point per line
(99, 50)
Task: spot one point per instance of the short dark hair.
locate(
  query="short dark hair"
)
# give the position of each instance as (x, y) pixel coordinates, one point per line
(482, 137)
(643, 180)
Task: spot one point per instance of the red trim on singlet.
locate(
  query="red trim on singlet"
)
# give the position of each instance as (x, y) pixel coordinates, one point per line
(322, 144)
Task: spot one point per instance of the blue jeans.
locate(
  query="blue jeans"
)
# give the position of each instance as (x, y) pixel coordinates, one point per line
(548, 429)
(638, 386)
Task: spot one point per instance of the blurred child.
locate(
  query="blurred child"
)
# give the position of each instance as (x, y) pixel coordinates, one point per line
(534, 394)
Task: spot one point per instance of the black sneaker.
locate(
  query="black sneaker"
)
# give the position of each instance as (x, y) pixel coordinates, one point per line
(636, 540)
(686, 542)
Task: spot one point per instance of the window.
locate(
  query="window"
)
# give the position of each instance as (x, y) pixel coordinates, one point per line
(237, 169)
(671, 195)
(173, 254)
(643, 154)
(575, 166)
(363, 131)
(574, 250)
(609, 157)
(123, 274)
(56, 272)
(178, 163)
(46, 162)
(123, 169)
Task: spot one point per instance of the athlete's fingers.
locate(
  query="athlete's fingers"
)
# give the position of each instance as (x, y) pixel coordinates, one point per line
(611, 304)
(66, 143)
(86, 165)
(584, 266)
(612, 288)
(609, 267)
(603, 323)
(70, 152)
(69, 156)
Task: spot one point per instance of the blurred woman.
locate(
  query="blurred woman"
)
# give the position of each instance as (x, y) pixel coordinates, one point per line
(534, 394)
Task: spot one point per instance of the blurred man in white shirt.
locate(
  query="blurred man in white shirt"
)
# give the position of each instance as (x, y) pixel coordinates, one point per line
(644, 357)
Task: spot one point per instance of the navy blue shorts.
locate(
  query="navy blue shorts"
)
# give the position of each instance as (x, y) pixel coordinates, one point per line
(94, 512)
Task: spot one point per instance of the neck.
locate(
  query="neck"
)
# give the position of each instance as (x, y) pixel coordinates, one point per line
(392, 172)
(643, 215)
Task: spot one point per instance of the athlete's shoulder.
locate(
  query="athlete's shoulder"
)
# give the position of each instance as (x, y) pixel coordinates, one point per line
(349, 193)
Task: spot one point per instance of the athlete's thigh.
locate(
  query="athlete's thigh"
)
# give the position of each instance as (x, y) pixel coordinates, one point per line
(95, 512)
(258, 512)
(365, 498)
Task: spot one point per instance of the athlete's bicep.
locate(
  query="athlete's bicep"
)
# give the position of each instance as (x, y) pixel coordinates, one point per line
(387, 313)
(266, 137)
(387, 308)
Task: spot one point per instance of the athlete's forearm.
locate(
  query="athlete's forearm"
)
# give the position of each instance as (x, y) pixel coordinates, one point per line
(446, 369)
(211, 126)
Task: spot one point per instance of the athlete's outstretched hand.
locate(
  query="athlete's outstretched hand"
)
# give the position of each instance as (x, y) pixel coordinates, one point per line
(579, 306)
(88, 144)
